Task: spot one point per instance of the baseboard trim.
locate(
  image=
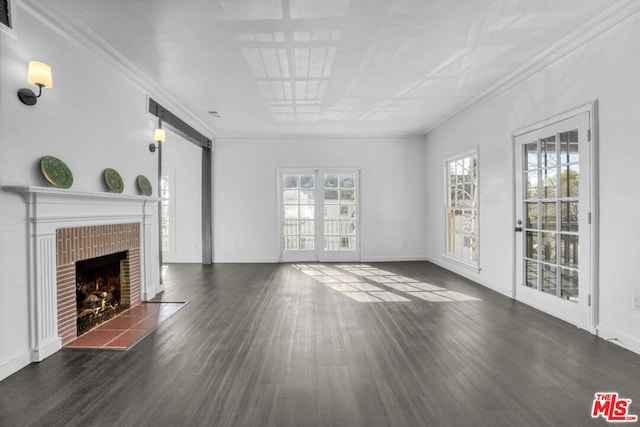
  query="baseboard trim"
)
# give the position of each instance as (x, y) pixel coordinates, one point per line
(392, 258)
(151, 292)
(470, 273)
(246, 260)
(12, 366)
(624, 341)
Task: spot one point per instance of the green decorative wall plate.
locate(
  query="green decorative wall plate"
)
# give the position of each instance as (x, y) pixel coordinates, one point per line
(56, 172)
(144, 185)
(113, 180)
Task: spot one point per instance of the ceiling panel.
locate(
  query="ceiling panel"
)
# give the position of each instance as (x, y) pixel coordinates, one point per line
(331, 67)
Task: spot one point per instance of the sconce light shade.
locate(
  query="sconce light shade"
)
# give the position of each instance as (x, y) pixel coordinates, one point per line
(158, 135)
(39, 74)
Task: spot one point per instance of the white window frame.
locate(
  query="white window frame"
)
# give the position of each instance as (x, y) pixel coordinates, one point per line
(449, 206)
(10, 31)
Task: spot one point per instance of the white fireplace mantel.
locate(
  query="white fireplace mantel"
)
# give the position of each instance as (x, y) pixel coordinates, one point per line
(49, 209)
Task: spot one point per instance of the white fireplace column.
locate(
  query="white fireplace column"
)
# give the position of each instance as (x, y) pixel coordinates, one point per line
(49, 209)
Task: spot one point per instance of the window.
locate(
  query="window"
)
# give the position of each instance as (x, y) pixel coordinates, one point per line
(462, 208)
(165, 209)
(5, 13)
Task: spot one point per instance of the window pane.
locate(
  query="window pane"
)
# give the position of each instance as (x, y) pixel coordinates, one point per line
(291, 181)
(549, 247)
(331, 243)
(532, 215)
(347, 181)
(569, 181)
(306, 212)
(569, 285)
(531, 274)
(291, 243)
(569, 250)
(331, 196)
(550, 183)
(569, 147)
(464, 221)
(291, 212)
(307, 181)
(307, 243)
(347, 196)
(548, 152)
(549, 284)
(307, 197)
(347, 211)
(531, 155)
(331, 181)
(532, 245)
(549, 220)
(332, 227)
(307, 228)
(347, 243)
(291, 228)
(347, 227)
(532, 185)
(290, 197)
(569, 216)
(332, 212)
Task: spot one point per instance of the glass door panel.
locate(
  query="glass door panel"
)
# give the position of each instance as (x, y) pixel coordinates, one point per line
(298, 210)
(340, 212)
(552, 211)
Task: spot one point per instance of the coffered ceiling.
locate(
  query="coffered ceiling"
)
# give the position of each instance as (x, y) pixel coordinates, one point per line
(303, 68)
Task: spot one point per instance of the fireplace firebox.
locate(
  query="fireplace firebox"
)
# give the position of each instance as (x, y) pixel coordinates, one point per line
(101, 290)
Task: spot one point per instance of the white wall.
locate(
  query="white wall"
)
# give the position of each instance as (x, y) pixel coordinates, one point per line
(607, 69)
(392, 198)
(186, 160)
(92, 118)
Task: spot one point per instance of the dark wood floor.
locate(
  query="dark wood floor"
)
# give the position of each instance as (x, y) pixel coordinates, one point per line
(269, 345)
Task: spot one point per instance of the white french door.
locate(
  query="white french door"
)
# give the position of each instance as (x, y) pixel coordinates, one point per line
(319, 215)
(553, 219)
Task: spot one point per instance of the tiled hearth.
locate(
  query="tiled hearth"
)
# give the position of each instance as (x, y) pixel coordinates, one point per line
(126, 330)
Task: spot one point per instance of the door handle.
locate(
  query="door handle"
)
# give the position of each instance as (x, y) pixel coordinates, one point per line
(518, 228)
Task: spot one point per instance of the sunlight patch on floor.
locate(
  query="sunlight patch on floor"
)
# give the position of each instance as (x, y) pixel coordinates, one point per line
(364, 283)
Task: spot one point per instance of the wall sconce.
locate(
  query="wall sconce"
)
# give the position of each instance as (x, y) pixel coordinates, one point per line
(40, 75)
(158, 136)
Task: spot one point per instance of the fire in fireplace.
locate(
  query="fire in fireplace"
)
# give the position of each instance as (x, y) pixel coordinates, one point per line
(99, 290)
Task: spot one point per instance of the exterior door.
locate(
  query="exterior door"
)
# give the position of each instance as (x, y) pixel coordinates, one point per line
(319, 215)
(553, 219)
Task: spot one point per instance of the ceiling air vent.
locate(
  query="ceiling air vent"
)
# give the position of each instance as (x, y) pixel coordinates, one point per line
(5, 13)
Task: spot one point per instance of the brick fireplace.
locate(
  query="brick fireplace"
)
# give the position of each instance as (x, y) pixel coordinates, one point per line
(86, 243)
(66, 226)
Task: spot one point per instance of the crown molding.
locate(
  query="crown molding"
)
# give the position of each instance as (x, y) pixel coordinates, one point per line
(317, 137)
(87, 39)
(593, 28)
